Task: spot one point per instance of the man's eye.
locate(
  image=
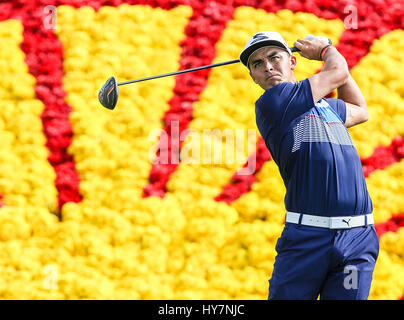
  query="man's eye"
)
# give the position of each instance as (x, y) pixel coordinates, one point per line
(275, 57)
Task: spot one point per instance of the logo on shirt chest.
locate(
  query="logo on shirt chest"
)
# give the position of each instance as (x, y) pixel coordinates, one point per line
(320, 124)
(324, 110)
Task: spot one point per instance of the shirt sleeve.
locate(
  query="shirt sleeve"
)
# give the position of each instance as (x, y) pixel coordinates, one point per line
(286, 101)
(339, 107)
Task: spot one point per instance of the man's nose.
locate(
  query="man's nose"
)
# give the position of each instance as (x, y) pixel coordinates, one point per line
(268, 66)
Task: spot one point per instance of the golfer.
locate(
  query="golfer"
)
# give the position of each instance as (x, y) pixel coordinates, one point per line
(328, 248)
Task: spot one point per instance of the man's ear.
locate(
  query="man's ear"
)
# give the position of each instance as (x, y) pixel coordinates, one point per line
(293, 62)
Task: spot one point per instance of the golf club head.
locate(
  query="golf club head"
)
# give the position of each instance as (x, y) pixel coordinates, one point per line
(108, 94)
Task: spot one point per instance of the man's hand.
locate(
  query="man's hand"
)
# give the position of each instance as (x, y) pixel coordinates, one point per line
(310, 47)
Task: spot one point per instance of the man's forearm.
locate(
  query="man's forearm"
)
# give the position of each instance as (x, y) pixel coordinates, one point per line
(350, 92)
(334, 60)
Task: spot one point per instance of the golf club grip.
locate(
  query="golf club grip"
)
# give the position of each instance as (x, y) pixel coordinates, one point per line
(181, 71)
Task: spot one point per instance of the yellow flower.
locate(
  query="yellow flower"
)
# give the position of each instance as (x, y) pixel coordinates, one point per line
(115, 244)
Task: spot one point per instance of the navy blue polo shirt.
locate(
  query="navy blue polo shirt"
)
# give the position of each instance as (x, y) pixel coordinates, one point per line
(316, 157)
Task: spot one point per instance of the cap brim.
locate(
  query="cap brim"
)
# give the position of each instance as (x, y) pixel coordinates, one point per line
(245, 54)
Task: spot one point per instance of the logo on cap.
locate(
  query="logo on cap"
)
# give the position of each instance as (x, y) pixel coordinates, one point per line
(258, 37)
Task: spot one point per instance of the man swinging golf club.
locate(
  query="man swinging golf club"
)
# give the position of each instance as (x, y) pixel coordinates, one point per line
(329, 246)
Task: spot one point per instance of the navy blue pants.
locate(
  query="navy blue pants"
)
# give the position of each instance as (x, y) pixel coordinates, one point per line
(332, 264)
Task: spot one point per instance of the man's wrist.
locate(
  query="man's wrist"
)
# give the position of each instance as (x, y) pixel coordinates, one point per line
(324, 51)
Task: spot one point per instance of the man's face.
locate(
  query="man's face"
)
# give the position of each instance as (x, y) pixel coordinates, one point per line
(270, 66)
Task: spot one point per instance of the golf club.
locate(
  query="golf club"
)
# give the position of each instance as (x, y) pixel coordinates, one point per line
(108, 95)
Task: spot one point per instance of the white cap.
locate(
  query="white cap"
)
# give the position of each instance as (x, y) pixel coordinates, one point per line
(262, 39)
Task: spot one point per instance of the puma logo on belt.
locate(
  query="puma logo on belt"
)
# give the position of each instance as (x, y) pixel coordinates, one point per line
(346, 221)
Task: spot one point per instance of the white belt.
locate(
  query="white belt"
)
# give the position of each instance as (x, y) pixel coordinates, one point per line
(346, 222)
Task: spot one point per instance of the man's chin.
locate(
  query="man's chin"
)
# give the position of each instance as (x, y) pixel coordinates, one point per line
(272, 83)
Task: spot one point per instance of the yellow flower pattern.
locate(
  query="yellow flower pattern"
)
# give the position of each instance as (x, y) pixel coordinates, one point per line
(117, 244)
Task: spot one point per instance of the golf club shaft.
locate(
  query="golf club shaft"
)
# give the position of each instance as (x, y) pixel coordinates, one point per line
(181, 71)
(293, 49)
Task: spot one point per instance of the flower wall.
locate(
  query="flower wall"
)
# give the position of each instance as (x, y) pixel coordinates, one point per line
(86, 210)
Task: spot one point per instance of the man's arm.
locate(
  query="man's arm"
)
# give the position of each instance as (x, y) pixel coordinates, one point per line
(335, 72)
(335, 75)
(356, 108)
